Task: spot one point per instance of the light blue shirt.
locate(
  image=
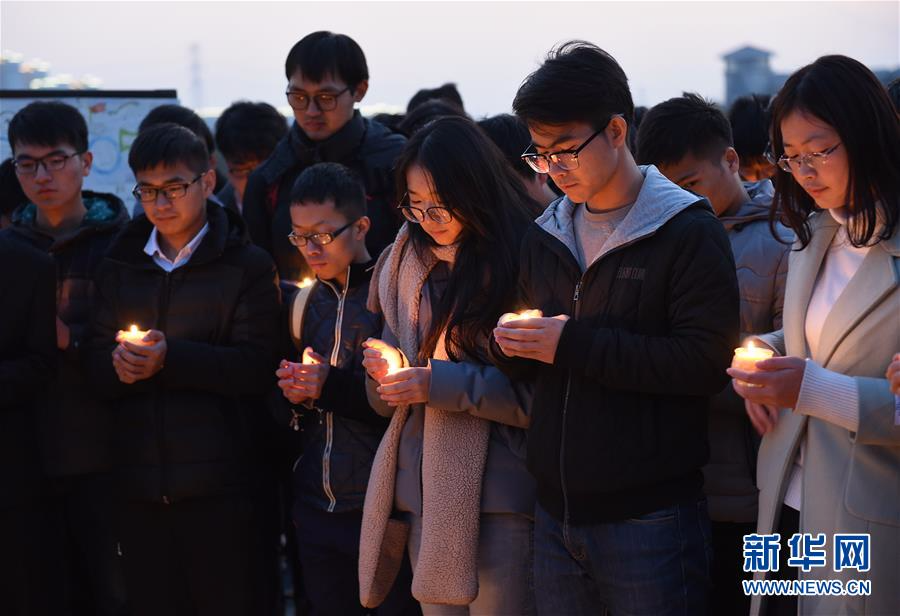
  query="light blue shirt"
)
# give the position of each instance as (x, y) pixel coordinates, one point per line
(184, 255)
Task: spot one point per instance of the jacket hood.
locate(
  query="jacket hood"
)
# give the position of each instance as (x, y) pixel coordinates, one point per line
(104, 211)
(226, 229)
(658, 201)
(761, 194)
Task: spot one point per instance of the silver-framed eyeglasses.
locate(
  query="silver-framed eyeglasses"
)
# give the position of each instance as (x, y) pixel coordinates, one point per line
(567, 160)
(319, 239)
(813, 160)
(416, 215)
(149, 194)
(54, 161)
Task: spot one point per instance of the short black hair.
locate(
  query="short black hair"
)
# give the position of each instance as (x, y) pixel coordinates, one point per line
(446, 92)
(48, 123)
(681, 126)
(331, 182)
(249, 131)
(322, 53)
(578, 82)
(168, 145)
(182, 116)
(427, 112)
(893, 90)
(511, 135)
(749, 118)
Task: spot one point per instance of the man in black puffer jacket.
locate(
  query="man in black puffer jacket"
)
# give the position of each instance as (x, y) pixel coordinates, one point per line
(183, 440)
(74, 227)
(323, 391)
(327, 74)
(27, 362)
(636, 280)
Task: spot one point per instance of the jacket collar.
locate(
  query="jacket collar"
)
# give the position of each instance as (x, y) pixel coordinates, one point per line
(359, 274)
(658, 201)
(224, 230)
(876, 278)
(104, 211)
(337, 148)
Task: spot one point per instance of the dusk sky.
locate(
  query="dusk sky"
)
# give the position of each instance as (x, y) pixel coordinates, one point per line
(486, 48)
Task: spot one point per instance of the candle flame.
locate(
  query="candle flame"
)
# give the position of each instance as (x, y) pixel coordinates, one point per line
(306, 282)
(133, 329)
(308, 359)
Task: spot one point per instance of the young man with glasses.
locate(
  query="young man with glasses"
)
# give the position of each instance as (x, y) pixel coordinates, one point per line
(187, 275)
(327, 75)
(636, 282)
(323, 388)
(49, 140)
(690, 140)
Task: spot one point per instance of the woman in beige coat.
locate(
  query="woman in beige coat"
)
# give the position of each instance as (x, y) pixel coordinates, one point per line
(830, 458)
(451, 466)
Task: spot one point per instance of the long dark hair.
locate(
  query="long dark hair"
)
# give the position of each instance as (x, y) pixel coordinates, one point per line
(848, 97)
(473, 179)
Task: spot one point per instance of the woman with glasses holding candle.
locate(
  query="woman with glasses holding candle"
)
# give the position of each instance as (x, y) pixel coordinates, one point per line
(451, 466)
(830, 458)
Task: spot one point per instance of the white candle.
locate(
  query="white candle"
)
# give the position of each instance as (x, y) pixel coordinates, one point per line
(306, 282)
(524, 314)
(132, 335)
(745, 359)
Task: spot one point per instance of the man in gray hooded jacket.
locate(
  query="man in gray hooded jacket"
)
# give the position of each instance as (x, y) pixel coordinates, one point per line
(690, 141)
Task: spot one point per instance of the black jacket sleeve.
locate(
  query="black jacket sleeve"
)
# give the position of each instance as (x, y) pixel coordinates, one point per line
(703, 314)
(246, 365)
(34, 364)
(344, 394)
(255, 213)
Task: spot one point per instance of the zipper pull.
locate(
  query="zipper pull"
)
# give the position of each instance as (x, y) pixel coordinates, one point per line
(577, 292)
(295, 421)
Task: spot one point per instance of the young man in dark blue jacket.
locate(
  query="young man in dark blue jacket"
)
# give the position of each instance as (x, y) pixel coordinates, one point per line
(636, 282)
(186, 274)
(75, 227)
(324, 384)
(327, 76)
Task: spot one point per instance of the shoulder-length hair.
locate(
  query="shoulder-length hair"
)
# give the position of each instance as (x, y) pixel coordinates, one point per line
(471, 178)
(848, 97)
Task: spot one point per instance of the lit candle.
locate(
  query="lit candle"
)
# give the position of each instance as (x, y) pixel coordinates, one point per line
(132, 335)
(745, 359)
(524, 314)
(306, 282)
(308, 359)
(393, 361)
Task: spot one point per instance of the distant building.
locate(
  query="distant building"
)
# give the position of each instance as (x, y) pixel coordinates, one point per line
(35, 75)
(747, 71)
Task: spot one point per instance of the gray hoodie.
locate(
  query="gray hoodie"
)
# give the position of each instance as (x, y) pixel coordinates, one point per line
(762, 264)
(657, 202)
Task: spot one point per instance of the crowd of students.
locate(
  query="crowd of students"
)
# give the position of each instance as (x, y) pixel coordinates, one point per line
(332, 346)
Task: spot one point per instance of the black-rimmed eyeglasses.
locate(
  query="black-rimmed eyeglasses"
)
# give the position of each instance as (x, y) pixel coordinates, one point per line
(325, 101)
(567, 160)
(149, 194)
(319, 239)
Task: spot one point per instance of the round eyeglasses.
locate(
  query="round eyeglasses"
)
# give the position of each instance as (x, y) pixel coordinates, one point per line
(417, 215)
